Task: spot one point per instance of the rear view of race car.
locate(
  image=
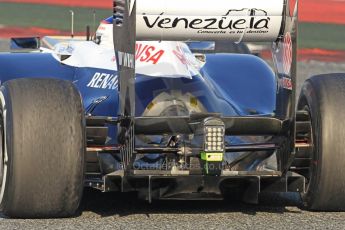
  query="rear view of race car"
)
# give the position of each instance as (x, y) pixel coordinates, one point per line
(184, 125)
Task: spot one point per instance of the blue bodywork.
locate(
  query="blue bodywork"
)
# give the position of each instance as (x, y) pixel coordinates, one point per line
(230, 84)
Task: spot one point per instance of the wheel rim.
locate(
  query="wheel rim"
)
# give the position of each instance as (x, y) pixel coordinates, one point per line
(1, 150)
(311, 151)
(308, 153)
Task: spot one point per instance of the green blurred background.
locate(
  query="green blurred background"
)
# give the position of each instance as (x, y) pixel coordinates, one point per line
(312, 35)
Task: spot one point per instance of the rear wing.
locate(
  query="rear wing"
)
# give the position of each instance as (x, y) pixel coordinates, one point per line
(273, 21)
(232, 20)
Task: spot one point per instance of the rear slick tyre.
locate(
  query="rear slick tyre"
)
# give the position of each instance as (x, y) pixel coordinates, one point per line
(43, 148)
(323, 98)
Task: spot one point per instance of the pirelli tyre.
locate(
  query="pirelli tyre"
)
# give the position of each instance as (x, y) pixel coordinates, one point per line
(42, 148)
(323, 98)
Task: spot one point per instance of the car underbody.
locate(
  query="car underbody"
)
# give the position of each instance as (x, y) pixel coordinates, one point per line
(180, 170)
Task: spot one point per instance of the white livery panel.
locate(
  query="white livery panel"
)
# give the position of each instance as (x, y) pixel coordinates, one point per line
(167, 59)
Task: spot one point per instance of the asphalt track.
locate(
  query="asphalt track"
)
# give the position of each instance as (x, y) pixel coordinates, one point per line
(112, 211)
(119, 211)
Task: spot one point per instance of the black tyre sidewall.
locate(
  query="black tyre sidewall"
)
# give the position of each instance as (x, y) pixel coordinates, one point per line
(309, 98)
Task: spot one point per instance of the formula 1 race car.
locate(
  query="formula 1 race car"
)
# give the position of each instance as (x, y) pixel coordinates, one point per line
(170, 114)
